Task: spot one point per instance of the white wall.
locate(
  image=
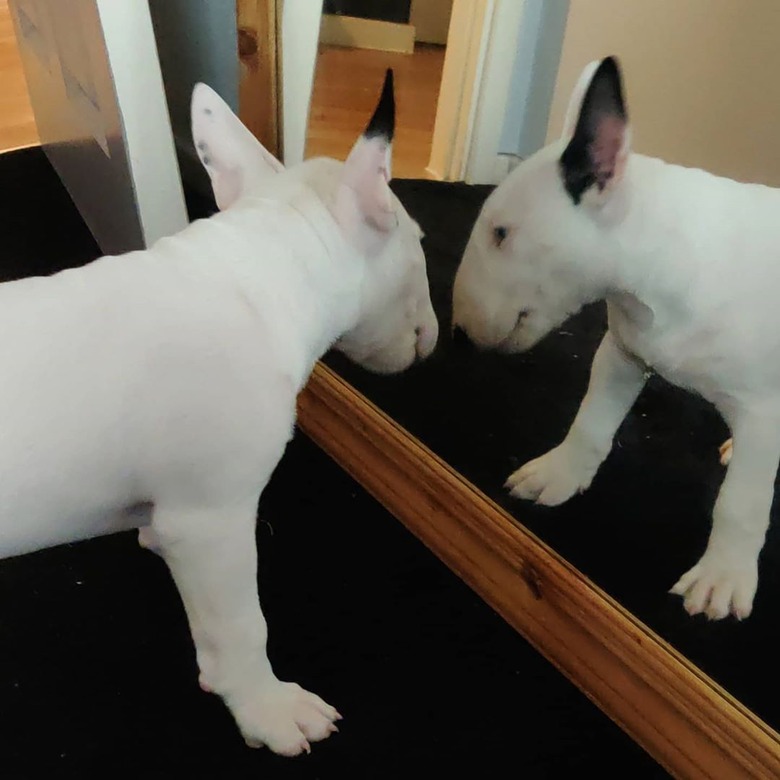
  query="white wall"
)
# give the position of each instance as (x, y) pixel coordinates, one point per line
(300, 36)
(701, 78)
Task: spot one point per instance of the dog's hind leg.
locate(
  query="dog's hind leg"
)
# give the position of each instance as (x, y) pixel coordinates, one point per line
(726, 577)
(212, 555)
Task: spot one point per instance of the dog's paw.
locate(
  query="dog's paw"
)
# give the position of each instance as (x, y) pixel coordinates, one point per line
(551, 479)
(725, 451)
(286, 719)
(719, 585)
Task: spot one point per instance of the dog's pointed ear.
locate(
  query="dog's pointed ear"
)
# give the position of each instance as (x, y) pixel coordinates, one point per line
(363, 198)
(596, 155)
(233, 158)
(575, 101)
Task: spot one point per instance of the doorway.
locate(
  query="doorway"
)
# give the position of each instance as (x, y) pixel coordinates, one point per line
(357, 42)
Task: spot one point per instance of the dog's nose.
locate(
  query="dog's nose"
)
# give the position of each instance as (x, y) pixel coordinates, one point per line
(460, 339)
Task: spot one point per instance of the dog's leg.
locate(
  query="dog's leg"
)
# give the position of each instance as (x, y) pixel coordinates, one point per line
(725, 579)
(212, 555)
(616, 380)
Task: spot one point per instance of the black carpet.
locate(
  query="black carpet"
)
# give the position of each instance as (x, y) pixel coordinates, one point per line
(97, 670)
(645, 519)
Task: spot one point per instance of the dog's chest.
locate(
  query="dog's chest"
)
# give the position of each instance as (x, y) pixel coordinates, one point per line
(691, 355)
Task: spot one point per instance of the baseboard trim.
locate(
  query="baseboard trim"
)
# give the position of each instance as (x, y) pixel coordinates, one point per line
(355, 33)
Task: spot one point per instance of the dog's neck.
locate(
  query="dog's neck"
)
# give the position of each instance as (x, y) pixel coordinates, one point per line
(306, 292)
(651, 261)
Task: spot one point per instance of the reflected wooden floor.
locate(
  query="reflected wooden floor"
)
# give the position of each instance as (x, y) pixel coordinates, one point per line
(347, 83)
(17, 123)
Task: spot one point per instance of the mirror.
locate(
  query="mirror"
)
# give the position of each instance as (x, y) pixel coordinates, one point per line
(646, 517)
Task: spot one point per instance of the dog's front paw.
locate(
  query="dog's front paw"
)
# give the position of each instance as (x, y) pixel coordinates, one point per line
(285, 718)
(551, 479)
(719, 585)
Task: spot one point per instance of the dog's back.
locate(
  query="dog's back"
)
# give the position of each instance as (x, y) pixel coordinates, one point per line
(132, 376)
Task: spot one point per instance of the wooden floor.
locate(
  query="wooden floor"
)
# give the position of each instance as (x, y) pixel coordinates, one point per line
(346, 87)
(347, 83)
(17, 124)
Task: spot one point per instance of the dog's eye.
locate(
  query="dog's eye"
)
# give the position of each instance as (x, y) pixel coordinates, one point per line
(499, 235)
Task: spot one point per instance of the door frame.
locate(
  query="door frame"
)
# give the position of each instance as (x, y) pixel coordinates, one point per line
(260, 72)
(475, 91)
(476, 88)
(275, 80)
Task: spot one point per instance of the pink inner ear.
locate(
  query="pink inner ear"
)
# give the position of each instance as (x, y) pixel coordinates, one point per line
(227, 186)
(376, 204)
(367, 174)
(607, 150)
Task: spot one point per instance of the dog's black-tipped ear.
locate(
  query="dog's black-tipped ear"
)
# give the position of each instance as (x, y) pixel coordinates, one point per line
(382, 123)
(605, 92)
(597, 151)
(364, 197)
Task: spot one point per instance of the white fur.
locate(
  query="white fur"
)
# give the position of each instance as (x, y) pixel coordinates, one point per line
(159, 388)
(689, 264)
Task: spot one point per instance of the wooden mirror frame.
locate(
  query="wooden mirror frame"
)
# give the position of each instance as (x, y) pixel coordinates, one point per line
(681, 717)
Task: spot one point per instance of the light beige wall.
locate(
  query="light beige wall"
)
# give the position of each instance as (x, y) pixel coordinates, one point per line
(702, 78)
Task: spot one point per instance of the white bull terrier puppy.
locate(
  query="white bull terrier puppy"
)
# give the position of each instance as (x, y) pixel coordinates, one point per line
(689, 264)
(160, 386)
